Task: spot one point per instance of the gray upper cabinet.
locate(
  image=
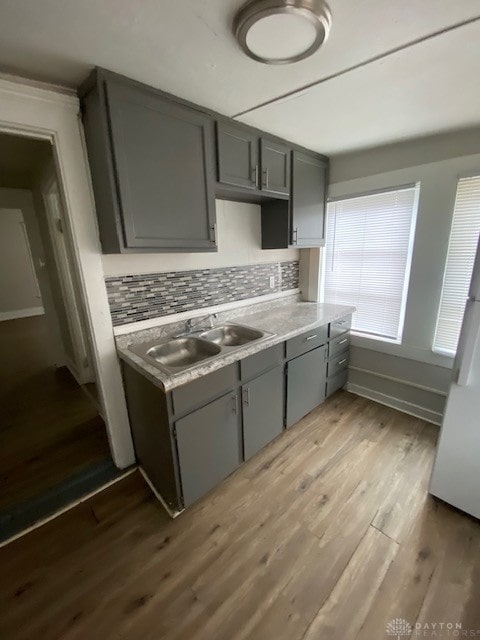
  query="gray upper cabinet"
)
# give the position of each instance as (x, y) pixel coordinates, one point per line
(263, 409)
(301, 221)
(237, 156)
(248, 164)
(209, 446)
(156, 170)
(153, 169)
(275, 165)
(309, 179)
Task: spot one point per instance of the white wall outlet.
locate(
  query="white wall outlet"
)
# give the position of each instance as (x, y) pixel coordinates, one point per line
(272, 282)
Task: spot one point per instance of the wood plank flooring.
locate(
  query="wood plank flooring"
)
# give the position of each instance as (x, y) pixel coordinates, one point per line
(327, 533)
(49, 428)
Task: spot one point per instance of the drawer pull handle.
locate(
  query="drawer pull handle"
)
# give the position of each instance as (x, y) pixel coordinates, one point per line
(341, 362)
(343, 341)
(311, 337)
(340, 322)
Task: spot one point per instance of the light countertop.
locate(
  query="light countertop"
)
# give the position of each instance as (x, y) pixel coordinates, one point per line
(284, 320)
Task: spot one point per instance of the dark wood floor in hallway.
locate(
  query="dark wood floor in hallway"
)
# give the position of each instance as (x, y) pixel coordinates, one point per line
(327, 533)
(49, 428)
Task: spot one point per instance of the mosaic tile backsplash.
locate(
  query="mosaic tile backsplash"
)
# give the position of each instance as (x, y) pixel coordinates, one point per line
(140, 297)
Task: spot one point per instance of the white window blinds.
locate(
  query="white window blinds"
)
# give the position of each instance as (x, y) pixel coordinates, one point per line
(367, 258)
(458, 271)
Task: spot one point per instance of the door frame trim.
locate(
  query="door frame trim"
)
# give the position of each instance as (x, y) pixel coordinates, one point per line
(53, 114)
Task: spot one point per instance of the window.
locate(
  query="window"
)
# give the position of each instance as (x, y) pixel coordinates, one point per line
(458, 271)
(367, 258)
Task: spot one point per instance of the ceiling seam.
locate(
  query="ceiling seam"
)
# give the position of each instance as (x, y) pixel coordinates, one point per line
(380, 56)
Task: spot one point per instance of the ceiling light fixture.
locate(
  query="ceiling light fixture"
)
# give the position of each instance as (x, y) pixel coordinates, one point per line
(282, 31)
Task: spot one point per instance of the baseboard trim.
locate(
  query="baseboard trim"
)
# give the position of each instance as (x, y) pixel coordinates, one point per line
(22, 313)
(394, 403)
(407, 383)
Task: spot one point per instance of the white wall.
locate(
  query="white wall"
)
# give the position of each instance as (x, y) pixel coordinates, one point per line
(23, 200)
(397, 364)
(406, 154)
(239, 243)
(19, 290)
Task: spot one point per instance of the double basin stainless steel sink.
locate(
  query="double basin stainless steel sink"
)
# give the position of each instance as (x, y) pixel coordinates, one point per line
(179, 353)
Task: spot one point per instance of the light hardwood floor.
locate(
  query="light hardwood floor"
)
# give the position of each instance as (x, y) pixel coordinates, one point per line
(49, 429)
(329, 533)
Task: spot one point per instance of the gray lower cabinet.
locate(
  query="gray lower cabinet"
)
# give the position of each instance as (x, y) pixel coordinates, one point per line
(189, 439)
(306, 378)
(336, 382)
(263, 409)
(339, 327)
(338, 354)
(209, 446)
(237, 156)
(153, 168)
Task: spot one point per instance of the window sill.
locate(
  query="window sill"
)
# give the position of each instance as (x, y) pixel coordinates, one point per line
(369, 336)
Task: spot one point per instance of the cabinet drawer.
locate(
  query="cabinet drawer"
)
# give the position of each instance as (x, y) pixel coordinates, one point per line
(306, 342)
(261, 361)
(338, 345)
(336, 382)
(337, 364)
(199, 392)
(338, 327)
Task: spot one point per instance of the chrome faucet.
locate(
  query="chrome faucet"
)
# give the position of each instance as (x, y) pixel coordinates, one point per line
(193, 326)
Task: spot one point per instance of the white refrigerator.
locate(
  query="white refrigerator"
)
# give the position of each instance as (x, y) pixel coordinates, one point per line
(456, 471)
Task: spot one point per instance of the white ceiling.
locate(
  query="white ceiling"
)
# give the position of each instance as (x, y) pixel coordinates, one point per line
(416, 92)
(186, 47)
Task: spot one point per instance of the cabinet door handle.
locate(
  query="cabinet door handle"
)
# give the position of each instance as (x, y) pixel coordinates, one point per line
(234, 404)
(343, 341)
(214, 229)
(265, 178)
(341, 361)
(246, 397)
(314, 335)
(255, 175)
(295, 236)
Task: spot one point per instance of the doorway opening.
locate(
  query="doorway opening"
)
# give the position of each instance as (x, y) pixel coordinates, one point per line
(53, 442)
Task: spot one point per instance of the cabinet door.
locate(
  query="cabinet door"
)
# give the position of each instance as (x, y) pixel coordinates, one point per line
(165, 168)
(208, 444)
(309, 177)
(306, 378)
(263, 406)
(237, 155)
(275, 159)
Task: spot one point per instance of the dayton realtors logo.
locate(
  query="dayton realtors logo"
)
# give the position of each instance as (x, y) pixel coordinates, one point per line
(401, 628)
